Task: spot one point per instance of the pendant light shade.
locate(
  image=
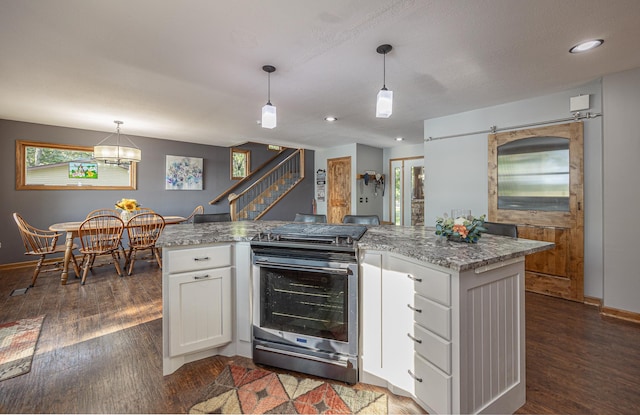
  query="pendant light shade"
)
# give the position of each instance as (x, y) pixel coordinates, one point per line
(114, 152)
(384, 102)
(269, 118)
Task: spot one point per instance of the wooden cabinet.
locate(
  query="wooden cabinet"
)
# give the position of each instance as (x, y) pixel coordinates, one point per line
(452, 340)
(197, 303)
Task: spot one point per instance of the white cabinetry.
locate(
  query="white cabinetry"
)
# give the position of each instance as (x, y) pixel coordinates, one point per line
(197, 303)
(459, 347)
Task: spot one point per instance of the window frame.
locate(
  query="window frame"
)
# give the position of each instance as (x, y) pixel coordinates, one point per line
(21, 166)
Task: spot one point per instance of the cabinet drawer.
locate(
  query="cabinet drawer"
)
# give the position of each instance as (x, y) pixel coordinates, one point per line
(432, 386)
(199, 258)
(432, 316)
(433, 348)
(428, 282)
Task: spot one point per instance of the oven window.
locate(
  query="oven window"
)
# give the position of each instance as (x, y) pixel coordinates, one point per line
(309, 303)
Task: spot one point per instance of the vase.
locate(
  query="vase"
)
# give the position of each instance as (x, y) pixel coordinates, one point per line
(125, 215)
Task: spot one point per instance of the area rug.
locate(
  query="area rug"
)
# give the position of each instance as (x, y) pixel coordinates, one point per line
(17, 345)
(241, 390)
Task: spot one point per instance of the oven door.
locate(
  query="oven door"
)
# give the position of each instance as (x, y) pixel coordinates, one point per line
(306, 305)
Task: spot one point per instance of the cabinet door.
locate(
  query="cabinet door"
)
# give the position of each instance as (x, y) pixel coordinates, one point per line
(397, 325)
(371, 314)
(200, 310)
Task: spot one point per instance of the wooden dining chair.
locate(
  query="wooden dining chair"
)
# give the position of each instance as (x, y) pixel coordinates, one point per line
(100, 235)
(199, 210)
(112, 212)
(144, 229)
(104, 211)
(40, 243)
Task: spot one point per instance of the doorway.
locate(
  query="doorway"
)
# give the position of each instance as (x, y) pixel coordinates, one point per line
(339, 189)
(407, 191)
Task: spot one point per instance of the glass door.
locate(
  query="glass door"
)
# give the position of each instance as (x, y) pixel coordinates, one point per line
(407, 195)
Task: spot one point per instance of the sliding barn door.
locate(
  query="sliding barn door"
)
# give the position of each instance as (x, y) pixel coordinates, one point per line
(536, 182)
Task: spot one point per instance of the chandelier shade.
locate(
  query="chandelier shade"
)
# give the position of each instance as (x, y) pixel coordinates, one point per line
(111, 151)
(384, 101)
(269, 117)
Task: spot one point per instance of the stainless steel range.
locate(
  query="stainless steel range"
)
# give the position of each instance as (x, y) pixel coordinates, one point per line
(305, 294)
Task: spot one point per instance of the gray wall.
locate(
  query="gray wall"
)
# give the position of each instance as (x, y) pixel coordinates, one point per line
(456, 168)
(621, 190)
(41, 208)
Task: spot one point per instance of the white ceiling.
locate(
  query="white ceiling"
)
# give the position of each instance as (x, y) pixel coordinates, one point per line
(191, 70)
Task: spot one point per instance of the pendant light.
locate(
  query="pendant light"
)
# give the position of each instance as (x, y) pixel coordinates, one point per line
(116, 153)
(384, 103)
(269, 119)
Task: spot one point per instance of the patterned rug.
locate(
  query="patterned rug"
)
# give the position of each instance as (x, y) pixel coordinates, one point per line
(240, 390)
(17, 345)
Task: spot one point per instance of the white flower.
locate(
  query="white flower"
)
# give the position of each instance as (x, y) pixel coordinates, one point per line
(459, 221)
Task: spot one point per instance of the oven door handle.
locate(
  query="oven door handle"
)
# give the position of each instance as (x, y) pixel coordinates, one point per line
(345, 271)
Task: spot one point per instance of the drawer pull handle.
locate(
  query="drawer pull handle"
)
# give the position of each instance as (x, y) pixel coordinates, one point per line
(417, 310)
(205, 258)
(414, 339)
(411, 277)
(414, 376)
(201, 277)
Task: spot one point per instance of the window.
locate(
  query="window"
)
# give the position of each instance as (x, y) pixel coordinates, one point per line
(533, 174)
(46, 166)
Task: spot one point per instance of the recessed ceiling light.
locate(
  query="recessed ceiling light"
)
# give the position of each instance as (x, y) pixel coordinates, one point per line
(399, 138)
(330, 119)
(587, 45)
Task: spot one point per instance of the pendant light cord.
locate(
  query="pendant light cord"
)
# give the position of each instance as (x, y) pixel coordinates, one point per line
(268, 88)
(384, 71)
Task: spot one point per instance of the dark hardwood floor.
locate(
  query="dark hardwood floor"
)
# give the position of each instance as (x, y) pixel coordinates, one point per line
(101, 345)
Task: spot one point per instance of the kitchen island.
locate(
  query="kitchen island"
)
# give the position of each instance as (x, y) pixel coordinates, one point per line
(440, 321)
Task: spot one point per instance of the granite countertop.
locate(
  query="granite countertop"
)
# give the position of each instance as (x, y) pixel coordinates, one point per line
(415, 242)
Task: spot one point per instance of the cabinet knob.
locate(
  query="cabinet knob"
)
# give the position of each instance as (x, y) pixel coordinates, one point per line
(205, 258)
(414, 376)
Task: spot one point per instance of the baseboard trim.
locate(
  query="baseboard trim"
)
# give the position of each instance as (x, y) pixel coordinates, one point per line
(621, 314)
(31, 264)
(593, 301)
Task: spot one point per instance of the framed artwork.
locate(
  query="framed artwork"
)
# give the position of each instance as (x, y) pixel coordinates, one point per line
(240, 163)
(183, 173)
(83, 170)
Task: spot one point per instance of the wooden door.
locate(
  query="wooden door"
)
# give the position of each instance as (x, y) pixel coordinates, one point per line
(339, 189)
(546, 205)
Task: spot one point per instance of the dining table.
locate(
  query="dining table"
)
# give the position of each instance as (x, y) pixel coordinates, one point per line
(72, 230)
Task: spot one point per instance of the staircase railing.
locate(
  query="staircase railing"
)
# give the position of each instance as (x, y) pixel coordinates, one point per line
(248, 177)
(255, 201)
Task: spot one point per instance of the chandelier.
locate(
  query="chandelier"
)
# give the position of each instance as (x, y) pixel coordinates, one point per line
(116, 153)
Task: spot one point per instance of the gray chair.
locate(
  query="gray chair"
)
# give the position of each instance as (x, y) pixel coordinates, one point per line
(211, 217)
(362, 219)
(311, 218)
(504, 229)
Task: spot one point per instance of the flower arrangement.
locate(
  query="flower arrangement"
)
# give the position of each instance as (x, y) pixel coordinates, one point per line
(465, 229)
(128, 205)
